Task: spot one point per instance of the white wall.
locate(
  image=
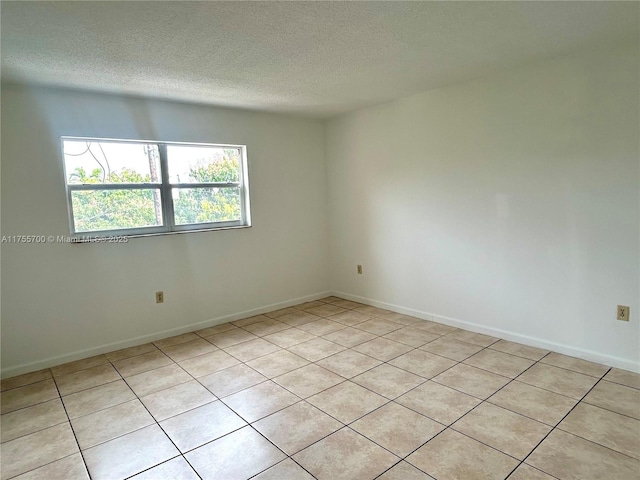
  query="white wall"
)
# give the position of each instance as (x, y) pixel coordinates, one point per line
(61, 301)
(510, 203)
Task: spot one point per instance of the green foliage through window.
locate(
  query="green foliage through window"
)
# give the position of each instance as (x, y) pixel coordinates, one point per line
(115, 209)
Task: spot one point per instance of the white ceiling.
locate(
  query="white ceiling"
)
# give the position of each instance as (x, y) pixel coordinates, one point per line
(312, 58)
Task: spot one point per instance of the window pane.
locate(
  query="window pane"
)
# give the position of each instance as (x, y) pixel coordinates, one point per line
(115, 209)
(200, 164)
(204, 205)
(91, 161)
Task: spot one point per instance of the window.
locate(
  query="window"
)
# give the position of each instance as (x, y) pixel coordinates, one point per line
(121, 187)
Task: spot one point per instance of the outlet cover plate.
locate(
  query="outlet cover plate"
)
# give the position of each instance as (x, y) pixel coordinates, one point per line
(623, 313)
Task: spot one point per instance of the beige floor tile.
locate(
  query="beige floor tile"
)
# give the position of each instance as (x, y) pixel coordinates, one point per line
(189, 349)
(568, 457)
(350, 318)
(308, 380)
(525, 472)
(27, 396)
(438, 402)
(397, 428)
(31, 419)
(316, 349)
(246, 351)
(615, 397)
(196, 427)
(84, 379)
(289, 337)
(473, 337)
(231, 380)
(223, 327)
(326, 310)
(26, 379)
(37, 449)
(575, 364)
(286, 469)
(472, 380)
(266, 327)
(558, 380)
(321, 327)
(71, 467)
(250, 320)
(158, 379)
(349, 337)
(451, 348)
(378, 326)
(348, 363)
(345, 455)
(501, 363)
(230, 337)
(298, 318)
(382, 349)
(348, 304)
(89, 378)
(97, 398)
(502, 429)
(226, 458)
(372, 311)
(296, 427)
(331, 299)
(412, 336)
(133, 453)
(623, 377)
(110, 423)
(277, 363)
(130, 352)
(261, 400)
(452, 455)
(435, 327)
(177, 399)
(142, 363)
(388, 381)
(422, 363)
(606, 428)
(404, 471)
(175, 340)
(78, 365)
(347, 401)
(281, 312)
(308, 305)
(209, 363)
(520, 350)
(176, 469)
(401, 318)
(533, 402)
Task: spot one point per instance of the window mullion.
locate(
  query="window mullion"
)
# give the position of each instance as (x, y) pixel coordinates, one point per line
(167, 198)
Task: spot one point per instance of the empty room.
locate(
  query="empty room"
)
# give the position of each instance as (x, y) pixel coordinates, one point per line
(296, 240)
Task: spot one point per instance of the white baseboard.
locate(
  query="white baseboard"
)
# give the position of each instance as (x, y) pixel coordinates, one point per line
(504, 334)
(110, 347)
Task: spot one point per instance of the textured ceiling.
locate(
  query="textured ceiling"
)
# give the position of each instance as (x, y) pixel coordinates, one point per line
(312, 58)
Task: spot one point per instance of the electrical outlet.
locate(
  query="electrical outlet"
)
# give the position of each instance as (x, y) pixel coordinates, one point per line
(359, 270)
(623, 313)
(159, 297)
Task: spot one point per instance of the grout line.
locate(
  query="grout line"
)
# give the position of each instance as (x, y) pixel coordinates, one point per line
(73, 432)
(160, 426)
(559, 422)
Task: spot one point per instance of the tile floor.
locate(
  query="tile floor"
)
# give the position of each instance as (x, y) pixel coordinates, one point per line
(329, 389)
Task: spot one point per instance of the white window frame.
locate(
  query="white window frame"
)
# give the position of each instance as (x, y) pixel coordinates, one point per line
(165, 187)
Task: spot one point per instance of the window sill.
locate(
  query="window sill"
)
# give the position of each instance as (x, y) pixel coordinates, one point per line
(125, 238)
